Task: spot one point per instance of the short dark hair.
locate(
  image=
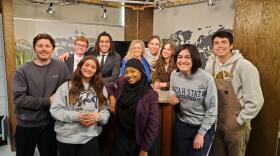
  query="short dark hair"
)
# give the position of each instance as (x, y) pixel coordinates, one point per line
(43, 36)
(223, 34)
(97, 48)
(154, 37)
(195, 56)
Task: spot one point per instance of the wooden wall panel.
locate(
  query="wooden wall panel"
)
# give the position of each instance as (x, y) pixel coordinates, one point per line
(145, 24)
(256, 31)
(10, 55)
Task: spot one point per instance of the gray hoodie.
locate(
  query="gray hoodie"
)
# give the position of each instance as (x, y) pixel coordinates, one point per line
(245, 81)
(67, 126)
(197, 94)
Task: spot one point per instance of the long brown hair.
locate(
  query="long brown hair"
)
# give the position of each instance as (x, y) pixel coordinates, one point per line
(96, 82)
(161, 73)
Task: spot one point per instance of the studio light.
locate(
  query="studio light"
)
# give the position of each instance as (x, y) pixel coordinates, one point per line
(104, 15)
(160, 6)
(50, 10)
(211, 2)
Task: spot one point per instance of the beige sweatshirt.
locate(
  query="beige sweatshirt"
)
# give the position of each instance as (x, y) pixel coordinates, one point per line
(246, 84)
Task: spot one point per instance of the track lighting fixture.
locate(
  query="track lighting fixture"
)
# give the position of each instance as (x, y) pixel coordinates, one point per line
(211, 2)
(104, 14)
(50, 10)
(160, 6)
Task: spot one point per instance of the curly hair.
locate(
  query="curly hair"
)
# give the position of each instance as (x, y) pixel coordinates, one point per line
(96, 82)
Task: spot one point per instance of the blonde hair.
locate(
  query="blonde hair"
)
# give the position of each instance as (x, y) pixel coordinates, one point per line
(81, 38)
(130, 54)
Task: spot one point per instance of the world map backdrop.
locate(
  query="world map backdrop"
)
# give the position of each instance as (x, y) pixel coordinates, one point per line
(200, 37)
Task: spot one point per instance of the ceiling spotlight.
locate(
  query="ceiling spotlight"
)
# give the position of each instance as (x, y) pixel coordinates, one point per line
(211, 2)
(160, 6)
(50, 10)
(104, 15)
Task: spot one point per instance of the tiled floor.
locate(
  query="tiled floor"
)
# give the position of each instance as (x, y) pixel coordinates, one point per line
(6, 151)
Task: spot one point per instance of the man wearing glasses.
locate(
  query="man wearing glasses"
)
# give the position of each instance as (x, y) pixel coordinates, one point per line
(104, 51)
(109, 60)
(80, 48)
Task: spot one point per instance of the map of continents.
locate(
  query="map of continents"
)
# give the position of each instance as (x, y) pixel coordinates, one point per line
(201, 38)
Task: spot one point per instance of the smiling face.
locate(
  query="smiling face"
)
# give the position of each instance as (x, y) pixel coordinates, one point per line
(132, 75)
(80, 47)
(154, 46)
(104, 44)
(167, 51)
(43, 49)
(184, 62)
(88, 69)
(137, 50)
(222, 47)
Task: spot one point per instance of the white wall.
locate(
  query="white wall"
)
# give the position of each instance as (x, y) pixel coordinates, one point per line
(81, 13)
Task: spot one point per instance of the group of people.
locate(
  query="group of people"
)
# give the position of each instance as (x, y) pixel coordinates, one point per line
(93, 103)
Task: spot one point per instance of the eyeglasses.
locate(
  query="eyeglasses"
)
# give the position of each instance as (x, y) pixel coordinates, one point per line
(81, 45)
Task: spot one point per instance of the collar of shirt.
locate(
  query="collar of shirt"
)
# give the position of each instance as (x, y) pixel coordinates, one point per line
(77, 59)
(99, 57)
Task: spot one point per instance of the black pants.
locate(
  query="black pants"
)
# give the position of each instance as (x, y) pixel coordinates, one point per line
(91, 148)
(184, 135)
(124, 145)
(127, 146)
(28, 138)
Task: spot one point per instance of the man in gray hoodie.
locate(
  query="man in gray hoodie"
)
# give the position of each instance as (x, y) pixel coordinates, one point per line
(240, 96)
(34, 84)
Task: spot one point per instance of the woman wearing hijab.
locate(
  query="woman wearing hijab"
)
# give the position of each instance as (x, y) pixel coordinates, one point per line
(136, 110)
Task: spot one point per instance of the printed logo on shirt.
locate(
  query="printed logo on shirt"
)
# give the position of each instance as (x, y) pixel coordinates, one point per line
(87, 102)
(191, 94)
(54, 76)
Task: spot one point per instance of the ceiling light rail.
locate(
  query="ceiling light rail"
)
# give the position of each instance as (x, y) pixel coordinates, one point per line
(131, 4)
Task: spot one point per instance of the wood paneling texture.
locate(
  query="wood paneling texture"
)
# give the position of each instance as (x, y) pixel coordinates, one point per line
(257, 35)
(145, 24)
(10, 56)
